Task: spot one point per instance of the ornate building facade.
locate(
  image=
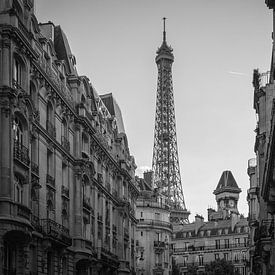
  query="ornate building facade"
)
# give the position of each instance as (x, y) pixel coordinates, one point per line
(223, 236)
(154, 230)
(67, 185)
(262, 250)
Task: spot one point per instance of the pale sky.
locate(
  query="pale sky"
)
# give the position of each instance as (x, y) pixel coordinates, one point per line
(217, 44)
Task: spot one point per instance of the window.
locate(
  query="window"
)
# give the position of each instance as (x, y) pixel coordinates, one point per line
(17, 71)
(18, 131)
(185, 258)
(245, 241)
(49, 163)
(237, 241)
(218, 244)
(226, 243)
(225, 256)
(200, 260)
(85, 146)
(9, 259)
(141, 214)
(141, 233)
(18, 189)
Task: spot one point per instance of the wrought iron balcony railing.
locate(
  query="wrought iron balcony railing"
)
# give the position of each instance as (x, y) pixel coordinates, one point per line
(23, 211)
(159, 244)
(155, 223)
(56, 231)
(21, 152)
(51, 129)
(65, 143)
(191, 248)
(35, 221)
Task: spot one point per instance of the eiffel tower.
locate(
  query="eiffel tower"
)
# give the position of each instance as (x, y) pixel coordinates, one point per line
(165, 153)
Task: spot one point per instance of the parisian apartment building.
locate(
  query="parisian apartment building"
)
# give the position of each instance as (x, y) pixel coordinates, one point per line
(154, 230)
(261, 194)
(223, 236)
(67, 178)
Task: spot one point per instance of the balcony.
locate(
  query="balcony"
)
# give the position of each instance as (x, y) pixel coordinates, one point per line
(155, 223)
(65, 143)
(21, 153)
(192, 248)
(23, 211)
(51, 129)
(159, 244)
(56, 231)
(34, 168)
(50, 180)
(65, 191)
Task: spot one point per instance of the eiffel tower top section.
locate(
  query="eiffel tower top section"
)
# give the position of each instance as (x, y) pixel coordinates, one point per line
(165, 51)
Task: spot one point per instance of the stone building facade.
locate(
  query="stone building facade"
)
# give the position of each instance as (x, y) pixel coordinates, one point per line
(67, 185)
(223, 236)
(262, 250)
(154, 230)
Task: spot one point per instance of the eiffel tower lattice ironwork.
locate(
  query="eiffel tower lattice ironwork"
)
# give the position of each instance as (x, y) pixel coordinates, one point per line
(165, 153)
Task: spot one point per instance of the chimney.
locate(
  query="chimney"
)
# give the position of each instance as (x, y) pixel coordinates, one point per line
(210, 211)
(199, 222)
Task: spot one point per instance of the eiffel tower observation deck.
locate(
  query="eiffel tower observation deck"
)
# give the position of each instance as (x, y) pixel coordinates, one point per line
(165, 153)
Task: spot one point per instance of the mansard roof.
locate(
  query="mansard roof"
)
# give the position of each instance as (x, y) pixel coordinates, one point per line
(114, 110)
(63, 50)
(227, 183)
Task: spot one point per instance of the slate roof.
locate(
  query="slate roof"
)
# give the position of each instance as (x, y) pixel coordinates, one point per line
(227, 183)
(114, 110)
(213, 226)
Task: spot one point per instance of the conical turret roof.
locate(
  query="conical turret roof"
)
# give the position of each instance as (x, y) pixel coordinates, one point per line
(227, 183)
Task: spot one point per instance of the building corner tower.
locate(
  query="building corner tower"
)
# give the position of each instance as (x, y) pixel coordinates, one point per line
(165, 153)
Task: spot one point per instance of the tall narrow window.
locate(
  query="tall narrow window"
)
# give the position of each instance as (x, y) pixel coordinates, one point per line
(18, 131)
(18, 189)
(17, 72)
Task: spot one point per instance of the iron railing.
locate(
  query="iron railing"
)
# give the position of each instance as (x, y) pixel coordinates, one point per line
(56, 231)
(21, 152)
(155, 223)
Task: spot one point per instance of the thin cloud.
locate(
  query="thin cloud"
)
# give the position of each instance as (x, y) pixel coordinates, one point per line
(236, 73)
